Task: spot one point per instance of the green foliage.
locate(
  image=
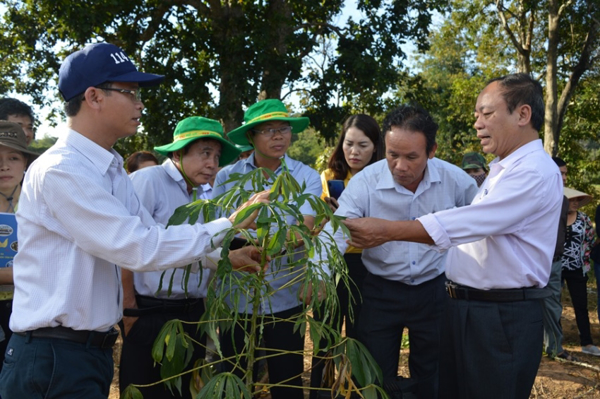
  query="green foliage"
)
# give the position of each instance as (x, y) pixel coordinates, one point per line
(357, 73)
(225, 385)
(132, 392)
(471, 46)
(322, 162)
(578, 145)
(41, 145)
(173, 349)
(219, 57)
(306, 147)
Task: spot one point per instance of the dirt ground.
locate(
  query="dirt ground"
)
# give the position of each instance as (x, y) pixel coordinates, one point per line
(555, 379)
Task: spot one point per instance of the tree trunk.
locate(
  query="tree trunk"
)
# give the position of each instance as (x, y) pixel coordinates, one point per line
(228, 24)
(551, 132)
(273, 76)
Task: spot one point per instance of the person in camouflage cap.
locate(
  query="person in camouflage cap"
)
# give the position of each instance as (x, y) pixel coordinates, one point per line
(475, 165)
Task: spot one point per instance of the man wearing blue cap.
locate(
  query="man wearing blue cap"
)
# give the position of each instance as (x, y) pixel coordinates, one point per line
(79, 223)
(197, 150)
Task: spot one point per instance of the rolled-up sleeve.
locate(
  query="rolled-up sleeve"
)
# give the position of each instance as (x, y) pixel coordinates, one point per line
(505, 209)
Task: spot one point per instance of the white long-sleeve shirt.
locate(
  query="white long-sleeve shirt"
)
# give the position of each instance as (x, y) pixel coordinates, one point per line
(506, 237)
(79, 218)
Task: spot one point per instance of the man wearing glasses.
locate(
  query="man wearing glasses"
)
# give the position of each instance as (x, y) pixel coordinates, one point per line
(79, 223)
(268, 128)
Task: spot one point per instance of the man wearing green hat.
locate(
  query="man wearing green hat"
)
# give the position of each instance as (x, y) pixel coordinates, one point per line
(197, 150)
(268, 127)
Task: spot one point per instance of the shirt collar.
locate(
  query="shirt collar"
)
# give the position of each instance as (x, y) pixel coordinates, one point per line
(174, 173)
(100, 157)
(518, 154)
(387, 181)
(249, 163)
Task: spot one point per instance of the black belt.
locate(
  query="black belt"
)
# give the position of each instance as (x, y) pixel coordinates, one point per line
(92, 338)
(457, 291)
(148, 305)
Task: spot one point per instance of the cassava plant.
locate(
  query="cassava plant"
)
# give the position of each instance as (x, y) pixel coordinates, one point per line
(280, 234)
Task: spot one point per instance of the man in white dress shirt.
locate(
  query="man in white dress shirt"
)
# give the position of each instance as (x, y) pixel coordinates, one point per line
(79, 222)
(405, 283)
(197, 151)
(500, 249)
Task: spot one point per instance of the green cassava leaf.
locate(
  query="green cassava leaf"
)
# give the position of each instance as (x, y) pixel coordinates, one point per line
(131, 392)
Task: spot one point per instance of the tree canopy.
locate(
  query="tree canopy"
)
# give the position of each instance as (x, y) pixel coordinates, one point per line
(221, 56)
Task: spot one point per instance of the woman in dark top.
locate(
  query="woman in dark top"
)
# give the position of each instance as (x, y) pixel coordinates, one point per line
(576, 264)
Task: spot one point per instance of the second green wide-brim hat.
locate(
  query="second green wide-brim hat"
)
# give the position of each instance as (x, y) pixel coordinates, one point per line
(195, 128)
(264, 111)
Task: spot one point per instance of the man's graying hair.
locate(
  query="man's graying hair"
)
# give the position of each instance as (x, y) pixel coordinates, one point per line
(414, 119)
(522, 89)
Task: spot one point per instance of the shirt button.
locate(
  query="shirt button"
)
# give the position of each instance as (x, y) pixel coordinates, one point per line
(414, 262)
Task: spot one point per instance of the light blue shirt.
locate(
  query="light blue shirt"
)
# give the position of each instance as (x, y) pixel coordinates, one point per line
(277, 277)
(161, 190)
(374, 193)
(205, 191)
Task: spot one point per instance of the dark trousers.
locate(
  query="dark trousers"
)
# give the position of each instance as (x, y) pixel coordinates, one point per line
(490, 349)
(577, 285)
(597, 274)
(552, 311)
(137, 365)
(49, 368)
(278, 337)
(5, 311)
(389, 307)
(357, 273)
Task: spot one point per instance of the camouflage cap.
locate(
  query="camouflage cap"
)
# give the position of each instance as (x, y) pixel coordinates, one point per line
(474, 160)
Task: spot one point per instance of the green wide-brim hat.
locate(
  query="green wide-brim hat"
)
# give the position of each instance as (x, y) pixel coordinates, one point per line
(244, 148)
(264, 111)
(196, 128)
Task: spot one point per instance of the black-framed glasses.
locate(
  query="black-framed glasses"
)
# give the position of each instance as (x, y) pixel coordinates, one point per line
(136, 94)
(268, 133)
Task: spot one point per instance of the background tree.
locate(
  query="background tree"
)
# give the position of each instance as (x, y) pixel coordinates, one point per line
(572, 30)
(41, 145)
(470, 47)
(217, 56)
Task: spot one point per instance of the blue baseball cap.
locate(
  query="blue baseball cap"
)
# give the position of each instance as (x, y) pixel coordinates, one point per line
(96, 64)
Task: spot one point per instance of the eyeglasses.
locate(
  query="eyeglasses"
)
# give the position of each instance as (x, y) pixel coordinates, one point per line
(268, 133)
(135, 94)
